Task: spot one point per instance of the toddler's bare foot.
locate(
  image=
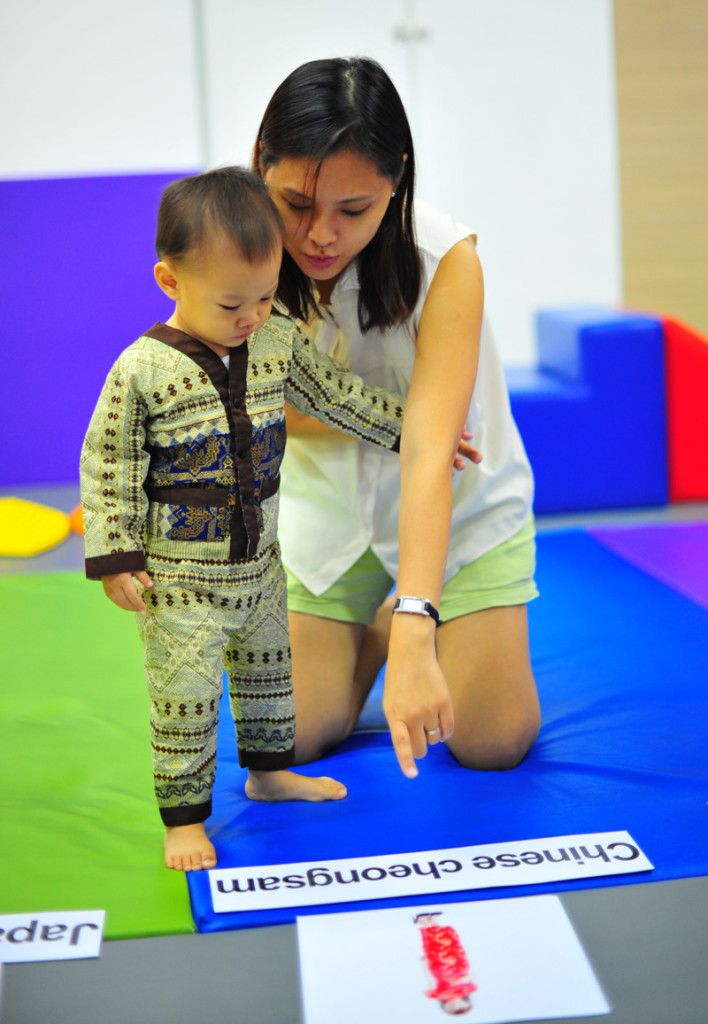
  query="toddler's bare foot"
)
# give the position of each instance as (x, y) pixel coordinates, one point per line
(187, 848)
(290, 786)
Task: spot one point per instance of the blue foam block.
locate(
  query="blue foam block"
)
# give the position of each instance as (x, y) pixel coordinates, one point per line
(620, 663)
(593, 415)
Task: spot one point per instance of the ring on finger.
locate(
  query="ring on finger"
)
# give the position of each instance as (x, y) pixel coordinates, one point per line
(432, 732)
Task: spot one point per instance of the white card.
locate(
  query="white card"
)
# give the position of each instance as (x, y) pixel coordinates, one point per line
(51, 935)
(502, 960)
(526, 862)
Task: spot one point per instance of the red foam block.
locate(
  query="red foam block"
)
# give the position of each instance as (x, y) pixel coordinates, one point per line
(687, 400)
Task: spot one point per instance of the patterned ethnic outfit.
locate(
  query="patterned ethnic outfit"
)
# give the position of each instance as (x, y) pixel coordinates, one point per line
(180, 477)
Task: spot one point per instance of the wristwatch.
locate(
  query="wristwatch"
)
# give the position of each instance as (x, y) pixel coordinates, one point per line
(416, 606)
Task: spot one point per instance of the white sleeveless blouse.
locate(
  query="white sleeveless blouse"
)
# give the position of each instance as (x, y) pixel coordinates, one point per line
(337, 498)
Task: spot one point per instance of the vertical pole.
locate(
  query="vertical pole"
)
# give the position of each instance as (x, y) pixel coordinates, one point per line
(200, 84)
(411, 34)
(412, 68)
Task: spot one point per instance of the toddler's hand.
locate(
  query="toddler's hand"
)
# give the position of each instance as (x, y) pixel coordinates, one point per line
(466, 451)
(119, 587)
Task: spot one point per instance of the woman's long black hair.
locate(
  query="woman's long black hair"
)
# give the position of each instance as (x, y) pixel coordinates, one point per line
(340, 105)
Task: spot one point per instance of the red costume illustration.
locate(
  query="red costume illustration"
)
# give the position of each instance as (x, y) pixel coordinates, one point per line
(447, 962)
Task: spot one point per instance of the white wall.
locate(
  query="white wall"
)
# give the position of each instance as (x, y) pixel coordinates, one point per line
(528, 154)
(512, 104)
(96, 87)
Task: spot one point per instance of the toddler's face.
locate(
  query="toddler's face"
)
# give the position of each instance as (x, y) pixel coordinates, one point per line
(221, 298)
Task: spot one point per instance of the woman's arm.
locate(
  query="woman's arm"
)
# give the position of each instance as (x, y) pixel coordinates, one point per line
(416, 695)
(299, 424)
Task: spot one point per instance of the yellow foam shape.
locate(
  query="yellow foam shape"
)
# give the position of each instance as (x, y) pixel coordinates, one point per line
(76, 520)
(27, 528)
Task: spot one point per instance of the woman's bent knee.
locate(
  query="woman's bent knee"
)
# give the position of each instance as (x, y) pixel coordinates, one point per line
(317, 741)
(497, 751)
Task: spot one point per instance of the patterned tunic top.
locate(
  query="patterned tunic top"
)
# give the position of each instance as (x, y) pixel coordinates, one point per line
(182, 455)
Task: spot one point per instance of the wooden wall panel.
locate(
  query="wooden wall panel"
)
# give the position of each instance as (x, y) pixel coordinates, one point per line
(662, 93)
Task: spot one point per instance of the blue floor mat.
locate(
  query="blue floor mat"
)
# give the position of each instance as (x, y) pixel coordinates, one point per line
(620, 660)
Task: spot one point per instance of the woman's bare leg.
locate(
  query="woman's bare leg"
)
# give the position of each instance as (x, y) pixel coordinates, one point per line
(325, 654)
(372, 658)
(485, 659)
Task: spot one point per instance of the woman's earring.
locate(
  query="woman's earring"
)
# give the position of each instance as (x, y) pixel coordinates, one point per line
(393, 194)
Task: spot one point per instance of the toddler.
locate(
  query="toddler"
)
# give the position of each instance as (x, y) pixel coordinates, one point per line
(179, 479)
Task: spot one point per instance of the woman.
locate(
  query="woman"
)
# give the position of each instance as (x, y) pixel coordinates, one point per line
(400, 299)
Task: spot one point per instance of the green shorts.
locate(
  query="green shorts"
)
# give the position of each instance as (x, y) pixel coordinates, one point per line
(504, 576)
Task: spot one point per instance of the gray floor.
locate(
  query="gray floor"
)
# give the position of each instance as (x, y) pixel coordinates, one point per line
(648, 942)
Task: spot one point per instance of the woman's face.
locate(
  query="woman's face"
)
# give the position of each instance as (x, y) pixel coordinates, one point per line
(329, 218)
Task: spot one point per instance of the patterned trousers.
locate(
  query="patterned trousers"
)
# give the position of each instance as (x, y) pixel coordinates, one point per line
(201, 619)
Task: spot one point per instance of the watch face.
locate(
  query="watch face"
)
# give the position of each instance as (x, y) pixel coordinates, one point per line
(416, 606)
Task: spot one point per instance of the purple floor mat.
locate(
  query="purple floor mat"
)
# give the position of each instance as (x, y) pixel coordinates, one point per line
(675, 553)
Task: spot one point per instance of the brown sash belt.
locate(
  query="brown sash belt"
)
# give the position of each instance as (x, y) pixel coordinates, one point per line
(198, 497)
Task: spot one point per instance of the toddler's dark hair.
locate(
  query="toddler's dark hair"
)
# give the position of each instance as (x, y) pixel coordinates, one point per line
(229, 199)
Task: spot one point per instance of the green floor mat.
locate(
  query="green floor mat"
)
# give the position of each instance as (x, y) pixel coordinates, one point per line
(80, 827)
